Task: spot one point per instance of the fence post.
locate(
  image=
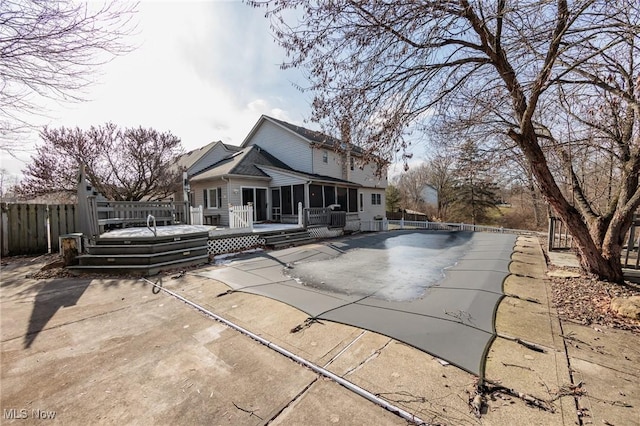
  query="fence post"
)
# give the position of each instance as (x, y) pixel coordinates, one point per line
(47, 224)
(4, 228)
(402, 223)
(300, 218)
(250, 216)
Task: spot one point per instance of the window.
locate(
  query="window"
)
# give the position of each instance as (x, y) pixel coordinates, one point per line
(352, 163)
(342, 199)
(353, 200)
(329, 195)
(376, 199)
(298, 197)
(361, 202)
(325, 157)
(315, 196)
(212, 198)
(287, 207)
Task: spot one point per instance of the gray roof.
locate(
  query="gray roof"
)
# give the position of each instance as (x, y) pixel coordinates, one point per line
(314, 136)
(247, 162)
(190, 158)
(243, 162)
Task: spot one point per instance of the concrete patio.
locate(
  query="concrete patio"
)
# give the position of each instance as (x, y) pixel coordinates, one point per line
(114, 351)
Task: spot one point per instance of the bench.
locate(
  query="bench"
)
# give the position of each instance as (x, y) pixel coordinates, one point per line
(211, 218)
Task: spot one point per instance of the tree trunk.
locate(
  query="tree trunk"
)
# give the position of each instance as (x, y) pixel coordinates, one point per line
(591, 258)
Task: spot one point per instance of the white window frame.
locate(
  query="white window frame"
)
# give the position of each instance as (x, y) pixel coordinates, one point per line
(376, 199)
(212, 195)
(325, 157)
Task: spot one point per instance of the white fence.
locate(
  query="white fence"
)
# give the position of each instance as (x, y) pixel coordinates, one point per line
(197, 215)
(387, 225)
(241, 217)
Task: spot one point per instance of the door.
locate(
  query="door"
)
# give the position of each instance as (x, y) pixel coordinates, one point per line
(260, 205)
(275, 202)
(257, 196)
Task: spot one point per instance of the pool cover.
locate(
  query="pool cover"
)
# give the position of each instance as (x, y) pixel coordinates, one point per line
(437, 291)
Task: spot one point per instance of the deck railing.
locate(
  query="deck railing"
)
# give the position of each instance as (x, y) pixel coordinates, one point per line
(324, 216)
(631, 251)
(559, 237)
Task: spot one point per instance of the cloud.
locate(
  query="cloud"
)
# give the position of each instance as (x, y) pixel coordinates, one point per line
(203, 70)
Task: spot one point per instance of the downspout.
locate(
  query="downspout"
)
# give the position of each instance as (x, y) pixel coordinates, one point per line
(319, 370)
(225, 179)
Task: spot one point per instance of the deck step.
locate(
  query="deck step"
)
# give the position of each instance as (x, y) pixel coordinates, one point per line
(142, 270)
(287, 238)
(110, 249)
(140, 258)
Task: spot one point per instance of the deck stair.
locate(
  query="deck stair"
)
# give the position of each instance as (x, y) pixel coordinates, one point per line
(144, 255)
(287, 238)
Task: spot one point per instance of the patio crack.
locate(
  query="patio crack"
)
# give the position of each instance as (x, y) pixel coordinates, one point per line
(292, 401)
(371, 357)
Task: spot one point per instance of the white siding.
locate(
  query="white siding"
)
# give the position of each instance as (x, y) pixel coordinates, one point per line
(333, 166)
(215, 154)
(198, 187)
(371, 211)
(367, 176)
(283, 179)
(284, 145)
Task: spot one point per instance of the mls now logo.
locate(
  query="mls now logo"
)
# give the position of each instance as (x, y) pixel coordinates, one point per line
(15, 414)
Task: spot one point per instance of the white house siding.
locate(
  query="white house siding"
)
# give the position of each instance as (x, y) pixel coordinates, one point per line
(283, 179)
(367, 176)
(215, 154)
(370, 212)
(333, 166)
(197, 189)
(284, 145)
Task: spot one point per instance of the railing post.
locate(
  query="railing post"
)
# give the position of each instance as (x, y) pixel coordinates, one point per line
(300, 216)
(250, 216)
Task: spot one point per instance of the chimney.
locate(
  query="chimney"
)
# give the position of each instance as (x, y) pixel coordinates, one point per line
(345, 137)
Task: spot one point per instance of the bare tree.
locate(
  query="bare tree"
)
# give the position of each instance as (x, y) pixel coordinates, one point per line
(51, 49)
(127, 165)
(398, 66)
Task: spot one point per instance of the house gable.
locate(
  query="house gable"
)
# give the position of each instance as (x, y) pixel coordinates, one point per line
(306, 151)
(216, 153)
(281, 142)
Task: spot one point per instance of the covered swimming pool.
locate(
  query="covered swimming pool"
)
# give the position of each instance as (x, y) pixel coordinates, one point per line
(435, 290)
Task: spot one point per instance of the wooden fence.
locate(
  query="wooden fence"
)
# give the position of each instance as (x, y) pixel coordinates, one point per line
(35, 228)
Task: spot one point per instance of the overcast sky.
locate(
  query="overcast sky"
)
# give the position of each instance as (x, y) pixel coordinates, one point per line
(204, 70)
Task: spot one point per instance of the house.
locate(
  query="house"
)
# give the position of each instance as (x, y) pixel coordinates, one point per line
(280, 165)
(429, 195)
(198, 159)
